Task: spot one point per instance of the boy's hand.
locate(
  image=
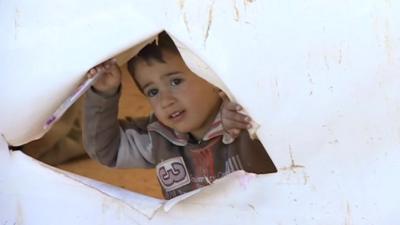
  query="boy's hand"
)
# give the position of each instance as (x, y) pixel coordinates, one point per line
(110, 80)
(232, 120)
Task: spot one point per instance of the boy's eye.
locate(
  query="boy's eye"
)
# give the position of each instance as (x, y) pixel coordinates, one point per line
(176, 81)
(152, 92)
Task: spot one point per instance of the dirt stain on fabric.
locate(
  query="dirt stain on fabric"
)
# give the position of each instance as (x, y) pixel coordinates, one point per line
(181, 4)
(293, 166)
(209, 21)
(236, 11)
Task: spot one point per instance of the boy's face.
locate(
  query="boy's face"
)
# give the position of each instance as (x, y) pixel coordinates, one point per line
(180, 99)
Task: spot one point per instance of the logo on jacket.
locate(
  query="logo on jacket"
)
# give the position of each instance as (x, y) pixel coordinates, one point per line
(173, 173)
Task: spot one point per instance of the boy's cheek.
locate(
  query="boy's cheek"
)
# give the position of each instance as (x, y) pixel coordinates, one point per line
(154, 105)
(161, 117)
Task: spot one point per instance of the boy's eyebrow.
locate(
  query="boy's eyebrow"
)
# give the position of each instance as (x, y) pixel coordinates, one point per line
(164, 75)
(170, 74)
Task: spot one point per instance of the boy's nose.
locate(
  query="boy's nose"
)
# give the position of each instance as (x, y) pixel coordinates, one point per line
(167, 99)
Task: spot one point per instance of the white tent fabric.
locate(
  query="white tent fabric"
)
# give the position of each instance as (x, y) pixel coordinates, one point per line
(321, 78)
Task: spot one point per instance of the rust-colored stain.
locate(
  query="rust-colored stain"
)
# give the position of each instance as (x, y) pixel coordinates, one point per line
(293, 166)
(209, 21)
(236, 11)
(181, 4)
(185, 20)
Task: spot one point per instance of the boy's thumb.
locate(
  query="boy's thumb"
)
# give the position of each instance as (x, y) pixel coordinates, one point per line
(223, 96)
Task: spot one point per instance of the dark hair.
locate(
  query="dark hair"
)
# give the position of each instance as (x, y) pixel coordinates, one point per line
(153, 51)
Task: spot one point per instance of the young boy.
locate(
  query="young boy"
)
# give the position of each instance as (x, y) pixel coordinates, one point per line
(192, 138)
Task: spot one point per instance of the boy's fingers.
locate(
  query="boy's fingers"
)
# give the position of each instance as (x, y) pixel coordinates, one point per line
(228, 104)
(110, 62)
(92, 72)
(233, 106)
(115, 69)
(100, 68)
(232, 124)
(223, 96)
(233, 115)
(234, 132)
(111, 66)
(107, 65)
(103, 67)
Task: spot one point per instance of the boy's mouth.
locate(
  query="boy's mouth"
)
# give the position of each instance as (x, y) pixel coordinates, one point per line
(177, 115)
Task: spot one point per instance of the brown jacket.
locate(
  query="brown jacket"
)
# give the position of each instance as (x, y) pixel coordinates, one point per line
(182, 164)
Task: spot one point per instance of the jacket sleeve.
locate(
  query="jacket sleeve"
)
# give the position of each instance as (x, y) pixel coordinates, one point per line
(106, 141)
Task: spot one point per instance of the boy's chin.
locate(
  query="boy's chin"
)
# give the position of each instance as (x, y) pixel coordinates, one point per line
(182, 130)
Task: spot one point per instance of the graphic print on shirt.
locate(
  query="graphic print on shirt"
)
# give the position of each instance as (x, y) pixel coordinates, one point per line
(203, 160)
(173, 173)
(233, 163)
(209, 163)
